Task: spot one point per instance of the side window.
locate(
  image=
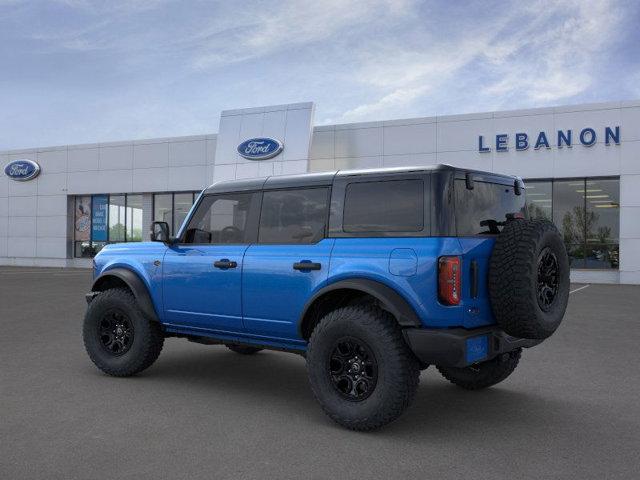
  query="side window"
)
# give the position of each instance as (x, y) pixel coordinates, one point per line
(384, 206)
(293, 216)
(221, 219)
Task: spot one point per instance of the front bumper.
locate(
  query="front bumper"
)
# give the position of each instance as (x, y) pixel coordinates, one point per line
(459, 347)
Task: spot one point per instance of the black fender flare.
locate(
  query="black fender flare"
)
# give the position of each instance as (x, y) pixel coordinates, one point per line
(135, 284)
(391, 300)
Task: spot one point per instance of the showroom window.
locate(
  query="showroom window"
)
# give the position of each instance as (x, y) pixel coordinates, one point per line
(173, 208)
(102, 219)
(587, 213)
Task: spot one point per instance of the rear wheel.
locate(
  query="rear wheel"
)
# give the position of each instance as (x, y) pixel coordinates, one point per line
(361, 371)
(485, 374)
(119, 339)
(243, 349)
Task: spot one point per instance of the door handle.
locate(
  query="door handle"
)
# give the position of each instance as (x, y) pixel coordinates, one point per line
(306, 265)
(225, 263)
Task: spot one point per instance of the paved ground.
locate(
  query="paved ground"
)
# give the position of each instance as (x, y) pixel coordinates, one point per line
(571, 410)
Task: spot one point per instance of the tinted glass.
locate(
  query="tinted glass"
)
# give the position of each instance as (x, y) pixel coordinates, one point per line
(293, 216)
(117, 215)
(483, 209)
(134, 218)
(539, 199)
(162, 209)
(388, 206)
(220, 219)
(569, 210)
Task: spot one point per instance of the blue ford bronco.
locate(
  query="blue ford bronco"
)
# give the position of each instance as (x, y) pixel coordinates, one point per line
(371, 275)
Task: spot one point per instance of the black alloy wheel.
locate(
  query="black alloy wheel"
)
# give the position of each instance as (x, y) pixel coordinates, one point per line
(548, 281)
(115, 332)
(353, 369)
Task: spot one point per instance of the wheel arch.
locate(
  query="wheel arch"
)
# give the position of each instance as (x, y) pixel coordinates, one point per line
(342, 292)
(123, 277)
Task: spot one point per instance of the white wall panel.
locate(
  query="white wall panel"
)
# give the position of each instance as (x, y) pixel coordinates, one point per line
(83, 159)
(150, 179)
(412, 160)
(463, 135)
(22, 227)
(420, 138)
(21, 246)
(630, 157)
(22, 207)
(630, 124)
(358, 142)
(51, 247)
(117, 157)
(187, 178)
(52, 161)
(297, 135)
(52, 183)
(52, 226)
(4, 206)
(630, 191)
(51, 205)
(188, 153)
(151, 155)
(322, 145)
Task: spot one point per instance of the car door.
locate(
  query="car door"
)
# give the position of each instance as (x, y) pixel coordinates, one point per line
(289, 261)
(202, 272)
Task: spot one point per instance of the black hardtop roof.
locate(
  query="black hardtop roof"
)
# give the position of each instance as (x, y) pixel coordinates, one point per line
(327, 178)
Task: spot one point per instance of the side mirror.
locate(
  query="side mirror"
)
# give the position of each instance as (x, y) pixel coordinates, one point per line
(159, 232)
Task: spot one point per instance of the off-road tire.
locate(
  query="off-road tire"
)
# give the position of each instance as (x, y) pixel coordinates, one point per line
(398, 371)
(243, 349)
(147, 342)
(485, 374)
(514, 278)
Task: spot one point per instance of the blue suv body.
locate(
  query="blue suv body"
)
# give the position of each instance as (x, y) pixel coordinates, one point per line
(261, 263)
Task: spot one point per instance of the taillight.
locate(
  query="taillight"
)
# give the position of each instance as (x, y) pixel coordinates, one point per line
(449, 280)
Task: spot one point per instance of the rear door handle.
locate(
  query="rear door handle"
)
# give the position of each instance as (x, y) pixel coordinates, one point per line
(306, 265)
(225, 263)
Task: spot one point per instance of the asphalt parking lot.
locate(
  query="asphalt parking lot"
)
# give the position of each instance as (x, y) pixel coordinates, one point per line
(571, 409)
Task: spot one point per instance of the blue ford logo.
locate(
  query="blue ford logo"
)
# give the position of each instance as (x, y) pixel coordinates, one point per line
(22, 170)
(260, 148)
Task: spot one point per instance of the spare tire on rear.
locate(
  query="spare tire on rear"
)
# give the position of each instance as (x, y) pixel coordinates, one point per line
(529, 278)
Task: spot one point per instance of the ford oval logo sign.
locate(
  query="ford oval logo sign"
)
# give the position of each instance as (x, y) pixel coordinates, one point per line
(22, 170)
(260, 148)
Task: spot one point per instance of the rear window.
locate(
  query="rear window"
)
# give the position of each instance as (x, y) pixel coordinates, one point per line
(483, 210)
(386, 206)
(293, 216)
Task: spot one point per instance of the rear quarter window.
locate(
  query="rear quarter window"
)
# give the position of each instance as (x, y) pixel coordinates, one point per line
(481, 211)
(384, 206)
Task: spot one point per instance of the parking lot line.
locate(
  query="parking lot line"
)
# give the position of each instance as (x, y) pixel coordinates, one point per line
(578, 289)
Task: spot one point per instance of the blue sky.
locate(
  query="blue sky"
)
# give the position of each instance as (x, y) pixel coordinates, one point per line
(77, 71)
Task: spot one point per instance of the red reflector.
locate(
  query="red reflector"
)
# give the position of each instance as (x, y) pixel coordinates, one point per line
(449, 280)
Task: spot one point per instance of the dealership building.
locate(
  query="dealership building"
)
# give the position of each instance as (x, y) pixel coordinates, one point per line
(581, 165)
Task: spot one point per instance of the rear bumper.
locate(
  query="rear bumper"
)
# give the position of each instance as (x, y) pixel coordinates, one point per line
(459, 347)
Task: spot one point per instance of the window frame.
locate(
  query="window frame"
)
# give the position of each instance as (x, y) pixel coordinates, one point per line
(251, 228)
(325, 228)
(336, 218)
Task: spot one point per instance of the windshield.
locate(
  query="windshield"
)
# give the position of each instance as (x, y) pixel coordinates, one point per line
(483, 210)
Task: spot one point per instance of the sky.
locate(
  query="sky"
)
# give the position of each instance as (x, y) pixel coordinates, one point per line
(80, 71)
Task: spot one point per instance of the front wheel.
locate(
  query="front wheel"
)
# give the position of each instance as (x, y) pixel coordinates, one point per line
(119, 339)
(361, 371)
(484, 374)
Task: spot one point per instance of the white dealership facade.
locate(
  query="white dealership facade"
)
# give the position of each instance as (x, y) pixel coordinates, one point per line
(581, 162)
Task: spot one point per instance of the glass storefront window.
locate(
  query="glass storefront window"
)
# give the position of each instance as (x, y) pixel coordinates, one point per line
(182, 203)
(172, 208)
(134, 218)
(117, 218)
(587, 213)
(539, 199)
(163, 209)
(103, 219)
